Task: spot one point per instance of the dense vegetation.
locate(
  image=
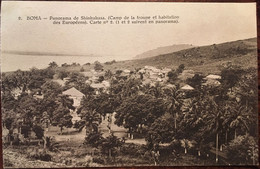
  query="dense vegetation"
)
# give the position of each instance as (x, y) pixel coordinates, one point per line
(174, 122)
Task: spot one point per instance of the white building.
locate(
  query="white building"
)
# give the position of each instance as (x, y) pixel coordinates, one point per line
(77, 96)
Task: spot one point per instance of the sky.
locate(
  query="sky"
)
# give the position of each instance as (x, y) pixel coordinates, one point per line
(199, 24)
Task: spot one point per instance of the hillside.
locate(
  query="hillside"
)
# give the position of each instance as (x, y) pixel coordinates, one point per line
(204, 59)
(163, 50)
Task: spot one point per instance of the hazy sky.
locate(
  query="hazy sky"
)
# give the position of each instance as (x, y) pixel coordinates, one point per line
(200, 24)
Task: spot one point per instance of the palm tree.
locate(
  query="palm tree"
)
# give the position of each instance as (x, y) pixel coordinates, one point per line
(214, 119)
(66, 101)
(239, 118)
(90, 120)
(174, 103)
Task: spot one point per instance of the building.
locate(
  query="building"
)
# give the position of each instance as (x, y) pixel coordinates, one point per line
(74, 94)
(77, 96)
(187, 87)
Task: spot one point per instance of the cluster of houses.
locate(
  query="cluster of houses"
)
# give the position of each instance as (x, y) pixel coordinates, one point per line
(149, 75)
(152, 75)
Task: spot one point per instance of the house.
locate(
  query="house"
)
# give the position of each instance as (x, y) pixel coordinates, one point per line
(215, 77)
(106, 83)
(212, 80)
(17, 92)
(88, 82)
(187, 87)
(98, 87)
(126, 71)
(77, 96)
(74, 94)
(66, 79)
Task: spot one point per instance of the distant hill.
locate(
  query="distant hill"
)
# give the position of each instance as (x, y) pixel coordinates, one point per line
(204, 59)
(163, 50)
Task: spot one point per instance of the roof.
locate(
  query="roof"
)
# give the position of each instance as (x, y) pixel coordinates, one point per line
(213, 77)
(187, 87)
(212, 82)
(88, 81)
(126, 71)
(170, 86)
(106, 83)
(188, 71)
(97, 85)
(73, 92)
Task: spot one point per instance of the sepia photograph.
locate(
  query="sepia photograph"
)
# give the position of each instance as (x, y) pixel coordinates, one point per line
(117, 84)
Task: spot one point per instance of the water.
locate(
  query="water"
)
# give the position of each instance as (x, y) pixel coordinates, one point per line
(12, 62)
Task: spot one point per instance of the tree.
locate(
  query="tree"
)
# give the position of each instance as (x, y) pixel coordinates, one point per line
(238, 117)
(243, 150)
(230, 76)
(108, 74)
(139, 110)
(196, 81)
(65, 101)
(94, 139)
(174, 102)
(49, 88)
(214, 120)
(172, 75)
(180, 69)
(160, 131)
(101, 79)
(62, 117)
(110, 144)
(62, 74)
(89, 119)
(53, 65)
(58, 108)
(39, 131)
(98, 66)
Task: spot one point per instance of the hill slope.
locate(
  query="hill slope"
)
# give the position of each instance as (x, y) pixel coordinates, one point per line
(163, 50)
(205, 59)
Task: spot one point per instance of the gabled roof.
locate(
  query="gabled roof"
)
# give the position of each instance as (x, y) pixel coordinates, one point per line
(187, 87)
(73, 92)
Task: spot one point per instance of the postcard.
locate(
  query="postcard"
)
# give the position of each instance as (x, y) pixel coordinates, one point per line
(103, 84)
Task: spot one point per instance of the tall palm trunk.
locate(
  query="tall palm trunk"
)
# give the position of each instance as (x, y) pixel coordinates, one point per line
(226, 138)
(175, 121)
(217, 147)
(61, 129)
(253, 153)
(109, 153)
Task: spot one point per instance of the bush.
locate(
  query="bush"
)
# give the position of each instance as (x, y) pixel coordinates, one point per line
(94, 139)
(133, 150)
(7, 162)
(243, 150)
(39, 131)
(39, 154)
(99, 160)
(81, 69)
